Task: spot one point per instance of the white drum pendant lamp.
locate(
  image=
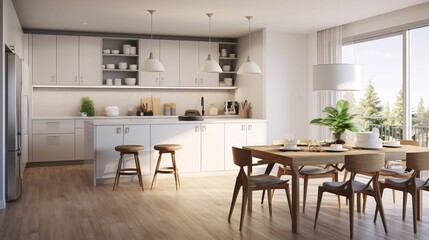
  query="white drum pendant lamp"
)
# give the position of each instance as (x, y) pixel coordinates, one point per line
(249, 67)
(336, 77)
(152, 64)
(210, 65)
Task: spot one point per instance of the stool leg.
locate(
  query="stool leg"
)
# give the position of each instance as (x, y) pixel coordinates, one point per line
(139, 173)
(176, 174)
(118, 170)
(156, 171)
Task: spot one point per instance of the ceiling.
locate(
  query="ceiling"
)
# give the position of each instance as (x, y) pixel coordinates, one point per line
(187, 17)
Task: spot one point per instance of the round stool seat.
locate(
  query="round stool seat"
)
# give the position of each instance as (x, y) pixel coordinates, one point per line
(167, 147)
(129, 148)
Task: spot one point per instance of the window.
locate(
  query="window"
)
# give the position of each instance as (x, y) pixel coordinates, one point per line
(382, 102)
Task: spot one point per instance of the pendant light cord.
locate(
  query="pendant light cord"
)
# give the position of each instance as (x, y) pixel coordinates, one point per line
(151, 29)
(210, 31)
(248, 18)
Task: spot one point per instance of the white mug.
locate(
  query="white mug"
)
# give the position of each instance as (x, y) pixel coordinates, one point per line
(109, 81)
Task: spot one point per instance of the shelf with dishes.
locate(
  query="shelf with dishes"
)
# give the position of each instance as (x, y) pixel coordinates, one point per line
(228, 62)
(120, 55)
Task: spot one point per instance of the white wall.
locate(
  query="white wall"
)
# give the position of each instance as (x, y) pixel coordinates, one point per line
(251, 87)
(286, 85)
(66, 102)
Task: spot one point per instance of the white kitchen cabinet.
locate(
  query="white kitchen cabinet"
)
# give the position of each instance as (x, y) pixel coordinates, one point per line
(79, 141)
(187, 135)
(243, 134)
(212, 147)
(170, 58)
(53, 140)
(148, 78)
(44, 59)
(67, 60)
(192, 57)
(188, 63)
(107, 137)
(90, 61)
(208, 79)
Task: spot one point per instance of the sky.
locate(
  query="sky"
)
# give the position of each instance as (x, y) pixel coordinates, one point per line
(381, 62)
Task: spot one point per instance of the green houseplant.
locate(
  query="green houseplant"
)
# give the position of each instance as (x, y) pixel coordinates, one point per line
(87, 106)
(338, 119)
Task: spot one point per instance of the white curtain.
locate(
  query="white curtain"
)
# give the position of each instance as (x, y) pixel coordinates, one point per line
(329, 43)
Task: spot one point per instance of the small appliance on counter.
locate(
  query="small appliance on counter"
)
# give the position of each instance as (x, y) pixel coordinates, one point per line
(231, 107)
(191, 115)
(111, 111)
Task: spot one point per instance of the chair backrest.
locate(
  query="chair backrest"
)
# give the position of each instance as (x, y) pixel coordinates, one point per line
(410, 142)
(242, 157)
(418, 161)
(364, 163)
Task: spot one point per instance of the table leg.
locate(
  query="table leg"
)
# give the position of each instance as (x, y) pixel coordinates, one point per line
(419, 202)
(295, 199)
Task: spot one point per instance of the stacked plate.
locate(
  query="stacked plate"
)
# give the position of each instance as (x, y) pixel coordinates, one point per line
(368, 140)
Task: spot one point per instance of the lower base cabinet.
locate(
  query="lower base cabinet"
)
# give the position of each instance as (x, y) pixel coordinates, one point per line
(53, 147)
(212, 147)
(107, 137)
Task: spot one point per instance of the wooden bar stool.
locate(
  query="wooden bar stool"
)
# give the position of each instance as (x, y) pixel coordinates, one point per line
(128, 149)
(167, 148)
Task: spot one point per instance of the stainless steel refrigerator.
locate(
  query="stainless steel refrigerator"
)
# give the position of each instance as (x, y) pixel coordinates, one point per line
(13, 127)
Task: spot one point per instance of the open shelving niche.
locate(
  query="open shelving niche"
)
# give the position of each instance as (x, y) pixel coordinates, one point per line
(231, 48)
(117, 44)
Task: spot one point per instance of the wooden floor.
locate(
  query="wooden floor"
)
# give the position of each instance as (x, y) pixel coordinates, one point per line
(59, 203)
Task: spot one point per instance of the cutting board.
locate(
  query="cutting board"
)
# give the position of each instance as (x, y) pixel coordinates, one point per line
(153, 104)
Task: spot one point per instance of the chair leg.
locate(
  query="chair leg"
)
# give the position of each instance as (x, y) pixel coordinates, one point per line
(414, 199)
(156, 170)
(364, 202)
(139, 172)
(118, 170)
(234, 197)
(288, 199)
(319, 202)
(338, 196)
(243, 207)
(380, 208)
(393, 196)
(176, 174)
(404, 205)
(351, 213)
(263, 195)
(270, 201)
(305, 193)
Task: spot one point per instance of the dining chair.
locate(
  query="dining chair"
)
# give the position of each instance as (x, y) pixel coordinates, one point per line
(357, 164)
(243, 158)
(417, 162)
(388, 171)
(307, 172)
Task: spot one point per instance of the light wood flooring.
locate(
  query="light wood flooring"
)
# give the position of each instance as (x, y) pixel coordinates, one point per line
(59, 203)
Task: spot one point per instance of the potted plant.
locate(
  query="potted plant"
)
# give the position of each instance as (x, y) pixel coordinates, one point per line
(87, 106)
(338, 119)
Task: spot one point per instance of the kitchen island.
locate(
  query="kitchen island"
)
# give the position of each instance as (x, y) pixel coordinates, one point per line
(206, 144)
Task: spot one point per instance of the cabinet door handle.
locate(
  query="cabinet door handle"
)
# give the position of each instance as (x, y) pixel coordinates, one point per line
(197, 129)
(196, 81)
(157, 80)
(203, 128)
(243, 127)
(118, 130)
(249, 128)
(127, 130)
(51, 123)
(81, 79)
(201, 80)
(50, 138)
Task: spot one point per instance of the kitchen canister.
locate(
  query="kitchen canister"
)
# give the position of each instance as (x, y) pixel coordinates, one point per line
(126, 48)
(133, 50)
(109, 81)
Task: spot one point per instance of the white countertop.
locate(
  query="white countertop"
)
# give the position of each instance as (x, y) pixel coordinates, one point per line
(159, 117)
(101, 122)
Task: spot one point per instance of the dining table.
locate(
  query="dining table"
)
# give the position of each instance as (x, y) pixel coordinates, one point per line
(272, 154)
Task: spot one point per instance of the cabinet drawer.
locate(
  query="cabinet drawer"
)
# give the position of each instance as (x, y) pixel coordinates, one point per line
(53, 126)
(53, 147)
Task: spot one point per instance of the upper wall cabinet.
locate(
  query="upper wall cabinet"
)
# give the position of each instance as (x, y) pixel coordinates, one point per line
(146, 46)
(208, 79)
(66, 60)
(170, 58)
(44, 59)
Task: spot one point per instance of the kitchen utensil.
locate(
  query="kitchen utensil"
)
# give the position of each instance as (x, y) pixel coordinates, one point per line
(231, 107)
(130, 81)
(191, 115)
(111, 111)
(213, 110)
(118, 81)
(202, 106)
(110, 66)
(122, 65)
(126, 48)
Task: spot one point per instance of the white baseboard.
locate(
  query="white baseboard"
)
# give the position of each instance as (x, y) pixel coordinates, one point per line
(2, 204)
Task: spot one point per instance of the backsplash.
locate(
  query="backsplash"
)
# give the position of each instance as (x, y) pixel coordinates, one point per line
(66, 102)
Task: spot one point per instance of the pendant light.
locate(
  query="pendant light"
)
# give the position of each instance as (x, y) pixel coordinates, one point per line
(152, 64)
(210, 65)
(249, 67)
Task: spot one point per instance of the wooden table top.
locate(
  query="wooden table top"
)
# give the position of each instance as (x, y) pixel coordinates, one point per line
(272, 153)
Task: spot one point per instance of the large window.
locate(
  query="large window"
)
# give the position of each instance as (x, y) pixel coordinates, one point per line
(382, 101)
